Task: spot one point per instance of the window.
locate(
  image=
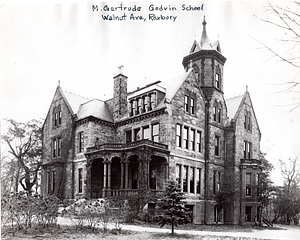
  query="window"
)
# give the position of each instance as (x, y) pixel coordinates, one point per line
(81, 142)
(51, 182)
(80, 180)
(217, 112)
(218, 81)
(247, 120)
(185, 177)
(132, 108)
(152, 101)
(192, 106)
(189, 102)
(138, 109)
(247, 150)
(55, 119)
(192, 138)
(137, 134)
(146, 132)
(57, 116)
(128, 136)
(58, 147)
(155, 132)
(192, 180)
(198, 141)
(178, 173)
(198, 180)
(186, 103)
(54, 148)
(219, 115)
(217, 145)
(248, 184)
(186, 137)
(178, 135)
(144, 104)
(216, 182)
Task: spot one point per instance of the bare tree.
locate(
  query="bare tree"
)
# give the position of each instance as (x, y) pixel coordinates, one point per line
(290, 171)
(286, 18)
(24, 142)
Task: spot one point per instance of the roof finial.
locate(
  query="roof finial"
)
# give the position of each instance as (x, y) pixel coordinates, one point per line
(59, 83)
(246, 88)
(204, 42)
(121, 69)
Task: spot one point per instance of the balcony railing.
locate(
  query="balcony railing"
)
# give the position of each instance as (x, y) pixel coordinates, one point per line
(130, 145)
(124, 192)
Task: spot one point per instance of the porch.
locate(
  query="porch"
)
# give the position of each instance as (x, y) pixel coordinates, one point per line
(118, 169)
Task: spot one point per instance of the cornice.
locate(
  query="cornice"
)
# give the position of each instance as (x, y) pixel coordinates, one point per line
(203, 53)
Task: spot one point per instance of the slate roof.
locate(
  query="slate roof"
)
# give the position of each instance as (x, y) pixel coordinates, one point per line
(84, 107)
(95, 108)
(233, 105)
(172, 85)
(74, 100)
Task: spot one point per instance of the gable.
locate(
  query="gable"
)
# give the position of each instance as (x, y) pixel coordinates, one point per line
(238, 105)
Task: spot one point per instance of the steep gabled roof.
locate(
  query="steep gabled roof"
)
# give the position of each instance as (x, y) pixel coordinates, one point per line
(172, 85)
(73, 100)
(95, 108)
(233, 105)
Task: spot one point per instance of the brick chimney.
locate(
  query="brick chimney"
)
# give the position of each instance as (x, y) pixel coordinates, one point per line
(120, 94)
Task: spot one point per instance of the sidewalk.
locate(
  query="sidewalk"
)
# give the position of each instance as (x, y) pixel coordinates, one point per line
(289, 233)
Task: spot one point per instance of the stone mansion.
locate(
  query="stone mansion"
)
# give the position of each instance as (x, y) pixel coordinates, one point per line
(182, 129)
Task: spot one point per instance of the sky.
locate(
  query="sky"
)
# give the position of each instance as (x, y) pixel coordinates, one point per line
(42, 44)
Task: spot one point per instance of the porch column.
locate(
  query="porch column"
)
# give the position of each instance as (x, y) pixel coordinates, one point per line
(126, 174)
(87, 186)
(109, 176)
(104, 178)
(122, 175)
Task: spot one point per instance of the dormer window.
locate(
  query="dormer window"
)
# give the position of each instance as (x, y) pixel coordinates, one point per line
(142, 104)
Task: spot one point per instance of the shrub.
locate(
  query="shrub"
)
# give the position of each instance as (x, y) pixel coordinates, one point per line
(24, 211)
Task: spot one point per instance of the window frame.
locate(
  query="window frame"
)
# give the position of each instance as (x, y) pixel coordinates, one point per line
(178, 135)
(185, 137)
(217, 146)
(154, 135)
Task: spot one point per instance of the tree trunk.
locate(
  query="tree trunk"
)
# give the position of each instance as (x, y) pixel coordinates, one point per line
(173, 227)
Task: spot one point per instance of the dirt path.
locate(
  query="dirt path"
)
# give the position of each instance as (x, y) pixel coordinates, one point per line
(287, 232)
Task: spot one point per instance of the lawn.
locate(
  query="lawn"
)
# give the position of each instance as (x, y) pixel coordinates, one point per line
(69, 232)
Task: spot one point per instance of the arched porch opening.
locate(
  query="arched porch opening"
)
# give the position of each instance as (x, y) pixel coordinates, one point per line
(115, 173)
(133, 172)
(97, 178)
